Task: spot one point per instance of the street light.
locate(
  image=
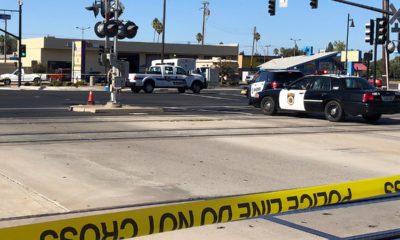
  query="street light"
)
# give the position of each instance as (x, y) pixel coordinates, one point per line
(347, 38)
(83, 29)
(295, 45)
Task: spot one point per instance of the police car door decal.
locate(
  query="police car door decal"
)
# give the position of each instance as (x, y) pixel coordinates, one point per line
(292, 99)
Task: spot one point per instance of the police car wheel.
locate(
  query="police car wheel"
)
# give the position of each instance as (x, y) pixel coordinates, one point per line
(268, 106)
(372, 117)
(334, 112)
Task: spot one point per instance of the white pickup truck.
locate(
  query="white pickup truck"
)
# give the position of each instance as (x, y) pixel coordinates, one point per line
(166, 76)
(13, 77)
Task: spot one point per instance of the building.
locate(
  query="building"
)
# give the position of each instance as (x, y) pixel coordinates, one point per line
(329, 61)
(54, 53)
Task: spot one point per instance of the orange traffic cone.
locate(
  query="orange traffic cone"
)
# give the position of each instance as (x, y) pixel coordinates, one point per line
(90, 98)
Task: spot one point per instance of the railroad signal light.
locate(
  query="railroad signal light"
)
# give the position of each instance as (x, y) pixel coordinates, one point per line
(131, 29)
(314, 4)
(381, 30)
(369, 32)
(23, 50)
(271, 7)
(111, 28)
(99, 30)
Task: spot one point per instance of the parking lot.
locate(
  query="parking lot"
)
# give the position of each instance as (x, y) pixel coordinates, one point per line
(203, 145)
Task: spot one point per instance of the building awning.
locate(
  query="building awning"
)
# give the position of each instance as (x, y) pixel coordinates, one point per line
(360, 67)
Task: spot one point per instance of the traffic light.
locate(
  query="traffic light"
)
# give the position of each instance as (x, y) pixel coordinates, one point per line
(314, 4)
(271, 7)
(369, 32)
(381, 30)
(23, 50)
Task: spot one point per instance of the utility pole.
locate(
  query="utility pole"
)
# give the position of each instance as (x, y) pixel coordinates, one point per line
(385, 54)
(206, 13)
(252, 49)
(295, 45)
(5, 41)
(163, 32)
(20, 3)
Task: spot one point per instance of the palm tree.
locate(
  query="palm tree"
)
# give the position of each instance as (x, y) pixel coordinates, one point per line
(159, 30)
(199, 37)
(155, 25)
(276, 52)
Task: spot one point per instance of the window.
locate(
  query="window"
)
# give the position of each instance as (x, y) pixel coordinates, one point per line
(155, 70)
(321, 84)
(169, 70)
(285, 77)
(180, 71)
(262, 77)
(356, 84)
(301, 84)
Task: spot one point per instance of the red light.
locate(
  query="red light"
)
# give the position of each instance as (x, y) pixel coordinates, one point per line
(368, 97)
(325, 71)
(274, 85)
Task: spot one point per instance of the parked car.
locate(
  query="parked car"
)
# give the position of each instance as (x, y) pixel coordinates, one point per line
(335, 96)
(13, 77)
(271, 79)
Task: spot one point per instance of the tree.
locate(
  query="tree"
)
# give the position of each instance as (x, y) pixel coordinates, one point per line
(339, 46)
(158, 28)
(330, 47)
(288, 52)
(199, 37)
(11, 44)
(276, 52)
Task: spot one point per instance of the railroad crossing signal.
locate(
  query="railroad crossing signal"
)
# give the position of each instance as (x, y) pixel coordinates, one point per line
(271, 7)
(370, 32)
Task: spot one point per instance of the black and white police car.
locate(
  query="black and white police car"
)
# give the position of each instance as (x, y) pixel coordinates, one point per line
(333, 95)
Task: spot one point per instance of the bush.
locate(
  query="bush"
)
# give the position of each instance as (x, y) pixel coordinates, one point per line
(68, 83)
(56, 83)
(27, 84)
(80, 83)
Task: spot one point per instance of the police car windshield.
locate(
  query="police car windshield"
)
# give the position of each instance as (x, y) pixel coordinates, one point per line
(357, 84)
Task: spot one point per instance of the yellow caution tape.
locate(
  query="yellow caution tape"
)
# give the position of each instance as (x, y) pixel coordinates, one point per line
(139, 222)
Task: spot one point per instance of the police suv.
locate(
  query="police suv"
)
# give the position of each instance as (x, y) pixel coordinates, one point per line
(333, 95)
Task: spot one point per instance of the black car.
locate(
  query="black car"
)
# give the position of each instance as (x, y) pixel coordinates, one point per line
(335, 96)
(271, 79)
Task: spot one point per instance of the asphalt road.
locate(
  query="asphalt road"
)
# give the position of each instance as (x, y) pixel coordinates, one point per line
(204, 145)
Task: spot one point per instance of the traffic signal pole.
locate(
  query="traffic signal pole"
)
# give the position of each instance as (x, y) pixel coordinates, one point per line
(113, 99)
(19, 44)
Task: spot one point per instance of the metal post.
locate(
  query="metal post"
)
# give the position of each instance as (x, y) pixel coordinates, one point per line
(347, 42)
(114, 99)
(19, 44)
(375, 55)
(385, 53)
(163, 32)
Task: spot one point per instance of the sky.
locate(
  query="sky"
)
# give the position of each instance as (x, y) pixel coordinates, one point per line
(230, 22)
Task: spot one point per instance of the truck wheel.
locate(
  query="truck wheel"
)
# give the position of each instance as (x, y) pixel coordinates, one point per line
(148, 87)
(37, 81)
(196, 87)
(7, 81)
(136, 89)
(182, 90)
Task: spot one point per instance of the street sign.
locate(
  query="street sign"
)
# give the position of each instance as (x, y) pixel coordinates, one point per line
(5, 16)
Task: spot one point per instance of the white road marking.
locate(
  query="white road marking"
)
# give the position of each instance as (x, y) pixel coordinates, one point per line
(41, 108)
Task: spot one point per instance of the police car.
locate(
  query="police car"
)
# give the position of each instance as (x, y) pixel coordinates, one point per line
(333, 95)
